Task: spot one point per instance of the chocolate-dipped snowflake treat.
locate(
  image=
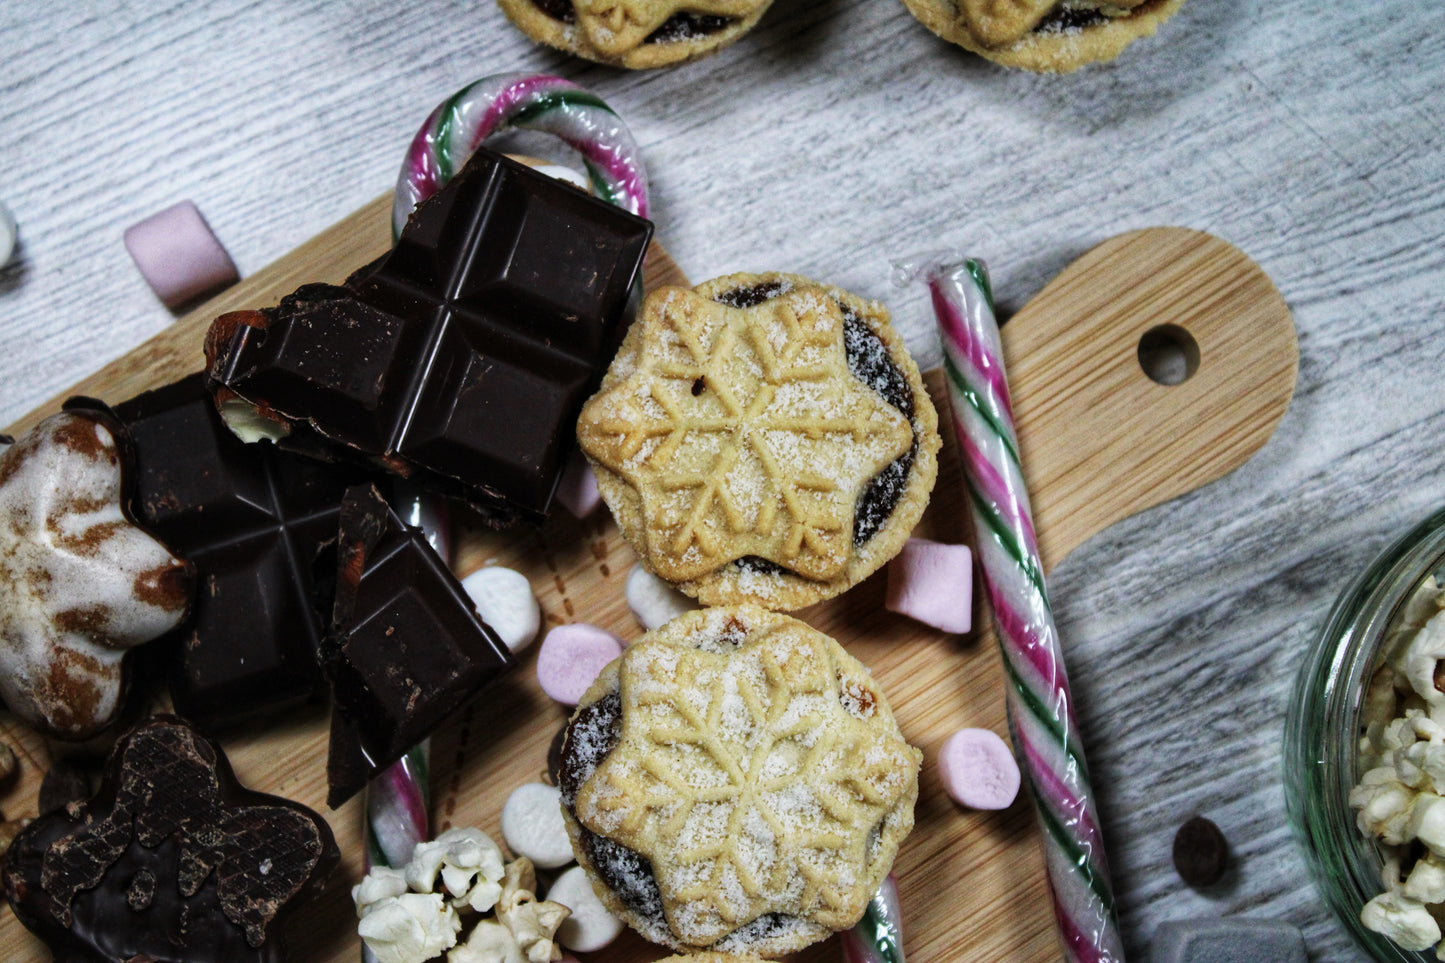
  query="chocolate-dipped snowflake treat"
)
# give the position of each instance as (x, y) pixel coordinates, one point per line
(736, 783)
(762, 438)
(172, 859)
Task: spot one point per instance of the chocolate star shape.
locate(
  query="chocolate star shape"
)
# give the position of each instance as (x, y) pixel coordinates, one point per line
(752, 779)
(614, 27)
(171, 859)
(744, 433)
(80, 583)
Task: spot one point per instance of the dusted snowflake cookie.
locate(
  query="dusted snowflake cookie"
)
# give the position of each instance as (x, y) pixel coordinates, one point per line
(736, 783)
(635, 33)
(762, 438)
(1052, 36)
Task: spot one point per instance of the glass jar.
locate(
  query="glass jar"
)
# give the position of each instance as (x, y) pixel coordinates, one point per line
(1323, 729)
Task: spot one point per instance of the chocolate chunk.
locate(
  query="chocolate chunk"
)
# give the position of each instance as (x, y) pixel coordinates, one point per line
(463, 356)
(252, 519)
(407, 648)
(1201, 853)
(172, 859)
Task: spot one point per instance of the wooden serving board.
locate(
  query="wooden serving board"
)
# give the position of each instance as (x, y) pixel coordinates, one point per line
(1100, 441)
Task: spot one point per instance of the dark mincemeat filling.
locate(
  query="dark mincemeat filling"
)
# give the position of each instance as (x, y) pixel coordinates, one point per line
(870, 363)
(680, 26)
(626, 872)
(1064, 19)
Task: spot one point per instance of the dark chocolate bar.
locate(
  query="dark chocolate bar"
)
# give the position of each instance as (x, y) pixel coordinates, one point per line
(172, 859)
(407, 648)
(463, 356)
(252, 520)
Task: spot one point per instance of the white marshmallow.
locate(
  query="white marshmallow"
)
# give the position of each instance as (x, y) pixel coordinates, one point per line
(653, 601)
(532, 825)
(590, 927)
(505, 601)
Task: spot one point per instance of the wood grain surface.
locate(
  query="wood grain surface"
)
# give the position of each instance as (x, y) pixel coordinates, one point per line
(838, 137)
(1100, 439)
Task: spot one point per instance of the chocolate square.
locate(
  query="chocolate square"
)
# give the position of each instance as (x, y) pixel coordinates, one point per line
(407, 648)
(463, 356)
(252, 519)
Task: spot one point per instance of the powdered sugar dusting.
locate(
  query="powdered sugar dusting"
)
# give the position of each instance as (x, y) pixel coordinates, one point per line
(750, 761)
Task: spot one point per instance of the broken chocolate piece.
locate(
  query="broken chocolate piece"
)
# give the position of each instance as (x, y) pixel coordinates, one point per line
(463, 356)
(252, 519)
(407, 648)
(172, 859)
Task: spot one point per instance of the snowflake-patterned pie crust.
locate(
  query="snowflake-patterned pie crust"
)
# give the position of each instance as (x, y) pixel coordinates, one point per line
(1047, 36)
(725, 433)
(636, 33)
(759, 771)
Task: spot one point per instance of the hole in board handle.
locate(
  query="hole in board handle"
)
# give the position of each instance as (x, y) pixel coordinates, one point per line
(1168, 354)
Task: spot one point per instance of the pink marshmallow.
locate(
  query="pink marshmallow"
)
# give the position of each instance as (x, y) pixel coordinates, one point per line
(978, 770)
(570, 658)
(178, 255)
(933, 583)
(577, 488)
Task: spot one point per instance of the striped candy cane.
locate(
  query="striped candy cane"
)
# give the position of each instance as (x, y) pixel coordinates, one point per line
(495, 104)
(398, 800)
(878, 937)
(1040, 706)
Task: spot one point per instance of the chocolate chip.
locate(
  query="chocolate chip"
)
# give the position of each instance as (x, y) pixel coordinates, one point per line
(1201, 853)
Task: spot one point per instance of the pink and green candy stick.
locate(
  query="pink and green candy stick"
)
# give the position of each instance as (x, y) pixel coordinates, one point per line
(1040, 706)
(398, 800)
(495, 104)
(878, 937)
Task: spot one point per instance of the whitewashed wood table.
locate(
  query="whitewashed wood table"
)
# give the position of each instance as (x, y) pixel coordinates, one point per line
(836, 138)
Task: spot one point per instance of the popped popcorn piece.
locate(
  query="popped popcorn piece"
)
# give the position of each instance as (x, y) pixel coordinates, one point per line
(381, 883)
(405, 919)
(469, 862)
(490, 942)
(532, 923)
(1402, 920)
(1426, 882)
(410, 928)
(1398, 799)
